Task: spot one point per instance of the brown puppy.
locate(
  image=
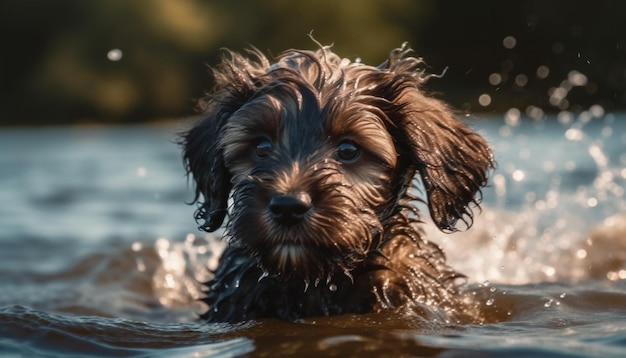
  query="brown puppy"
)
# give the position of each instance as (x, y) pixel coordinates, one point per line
(318, 155)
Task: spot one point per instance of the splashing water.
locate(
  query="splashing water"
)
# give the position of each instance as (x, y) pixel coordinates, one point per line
(185, 266)
(547, 195)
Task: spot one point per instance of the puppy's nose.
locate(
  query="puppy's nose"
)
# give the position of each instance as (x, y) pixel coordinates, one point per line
(289, 209)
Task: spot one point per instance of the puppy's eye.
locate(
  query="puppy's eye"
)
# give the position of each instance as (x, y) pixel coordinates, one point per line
(263, 148)
(348, 152)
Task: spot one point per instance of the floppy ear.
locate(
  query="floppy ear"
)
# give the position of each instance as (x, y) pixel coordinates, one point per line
(205, 163)
(453, 161)
(202, 149)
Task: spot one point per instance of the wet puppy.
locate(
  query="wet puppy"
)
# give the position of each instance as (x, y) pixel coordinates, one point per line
(317, 157)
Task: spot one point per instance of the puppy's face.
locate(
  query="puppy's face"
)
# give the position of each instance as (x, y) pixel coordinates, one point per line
(310, 179)
(317, 154)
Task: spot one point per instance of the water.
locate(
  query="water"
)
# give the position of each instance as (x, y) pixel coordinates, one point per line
(99, 255)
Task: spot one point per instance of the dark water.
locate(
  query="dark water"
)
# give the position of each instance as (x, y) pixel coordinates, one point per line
(99, 255)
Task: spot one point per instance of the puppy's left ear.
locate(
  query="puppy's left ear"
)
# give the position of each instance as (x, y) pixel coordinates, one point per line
(453, 160)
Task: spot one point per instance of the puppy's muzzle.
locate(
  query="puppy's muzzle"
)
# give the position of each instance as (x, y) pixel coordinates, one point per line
(290, 209)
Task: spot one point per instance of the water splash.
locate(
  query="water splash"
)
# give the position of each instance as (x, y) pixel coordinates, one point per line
(177, 281)
(546, 198)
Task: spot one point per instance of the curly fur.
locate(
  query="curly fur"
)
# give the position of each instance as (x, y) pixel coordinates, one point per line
(358, 247)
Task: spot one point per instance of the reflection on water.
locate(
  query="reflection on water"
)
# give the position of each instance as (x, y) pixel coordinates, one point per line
(99, 252)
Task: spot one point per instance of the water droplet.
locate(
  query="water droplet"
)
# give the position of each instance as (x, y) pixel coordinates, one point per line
(596, 111)
(518, 175)
(512, 117)
(576, 78)
(543, 72)
(509, 42)
(486, 283)
(563, 295)
(489, 302)
(592, 202)
(493, 289)
(332, 287)
(114, 54)
(495, 79)
(548, 303)
(612, 276)
(263, 275)
(484, 100)
(565, 117)
(535, 112)
(521, 80)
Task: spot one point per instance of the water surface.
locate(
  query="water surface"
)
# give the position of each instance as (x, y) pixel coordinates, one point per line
(99, 255)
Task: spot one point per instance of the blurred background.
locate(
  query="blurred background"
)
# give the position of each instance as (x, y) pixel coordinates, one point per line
(114, 61)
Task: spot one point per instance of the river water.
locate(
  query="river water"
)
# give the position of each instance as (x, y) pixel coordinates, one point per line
(99, 255)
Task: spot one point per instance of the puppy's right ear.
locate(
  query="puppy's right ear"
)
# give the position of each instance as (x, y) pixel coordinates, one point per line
(202, 150)
(205, 163)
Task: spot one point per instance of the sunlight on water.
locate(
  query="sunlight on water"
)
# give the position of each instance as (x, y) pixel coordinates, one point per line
(177, 282)
(111, 266)
(569, 187)
(548, 193)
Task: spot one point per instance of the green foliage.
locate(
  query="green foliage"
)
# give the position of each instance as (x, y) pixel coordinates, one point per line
(55, 66)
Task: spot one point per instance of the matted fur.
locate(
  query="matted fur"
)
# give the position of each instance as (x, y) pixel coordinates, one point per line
(358, 246)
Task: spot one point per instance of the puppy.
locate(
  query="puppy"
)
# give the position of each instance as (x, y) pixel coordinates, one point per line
(317, 156)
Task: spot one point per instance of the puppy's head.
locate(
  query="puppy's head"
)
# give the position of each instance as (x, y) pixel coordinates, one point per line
(318, 153)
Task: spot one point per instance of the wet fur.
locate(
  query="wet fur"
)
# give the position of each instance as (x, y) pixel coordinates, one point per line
(360, 248)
